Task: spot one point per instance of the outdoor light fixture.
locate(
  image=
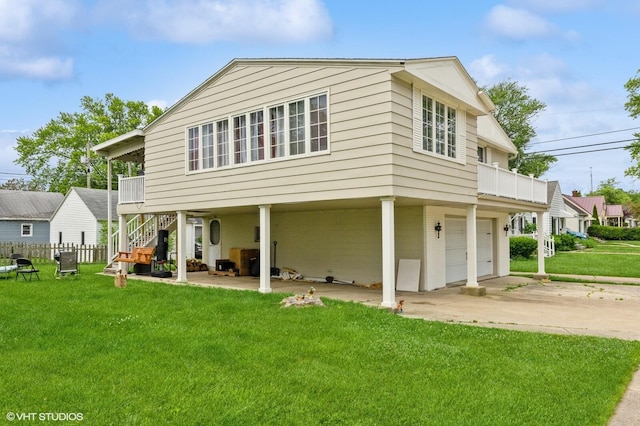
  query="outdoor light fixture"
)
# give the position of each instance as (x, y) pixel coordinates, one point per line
(438, 228)
(506, 229)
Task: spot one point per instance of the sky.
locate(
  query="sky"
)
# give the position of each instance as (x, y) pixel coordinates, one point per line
(573, 55)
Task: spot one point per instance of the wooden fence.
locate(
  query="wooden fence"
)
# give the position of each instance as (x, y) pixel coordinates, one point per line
(44, 252)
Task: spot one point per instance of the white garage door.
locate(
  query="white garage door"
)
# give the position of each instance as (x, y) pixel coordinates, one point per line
(456, 249)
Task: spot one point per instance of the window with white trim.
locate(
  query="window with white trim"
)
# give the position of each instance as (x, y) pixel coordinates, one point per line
(296, 127)
(26, 230)
(439, 128)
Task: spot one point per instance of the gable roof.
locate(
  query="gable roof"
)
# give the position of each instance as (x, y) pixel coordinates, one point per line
(96, 201)
(587, 204)
(614, 210)
(28, 205)
(575, 206)
(490, 131)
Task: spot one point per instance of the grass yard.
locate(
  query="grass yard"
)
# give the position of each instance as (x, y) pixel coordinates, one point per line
(613, 258)
(154, 353)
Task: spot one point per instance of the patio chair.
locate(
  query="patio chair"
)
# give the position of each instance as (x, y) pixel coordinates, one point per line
(13, 257)
(25, 267)
(67, 263)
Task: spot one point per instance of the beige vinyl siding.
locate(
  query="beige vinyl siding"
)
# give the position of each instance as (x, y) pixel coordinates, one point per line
(358, 164)
(344, 243)
(426, 176)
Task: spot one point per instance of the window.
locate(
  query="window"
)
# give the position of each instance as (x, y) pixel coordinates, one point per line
(257, 135)
(276, 129)
(318, 123)
(439, 128)
(26, 230)
(240, 139)
(208, 155)
(293, 128)
(81, 238)
(482, 154)
(223, 143)
(194, 148)
(296, 128)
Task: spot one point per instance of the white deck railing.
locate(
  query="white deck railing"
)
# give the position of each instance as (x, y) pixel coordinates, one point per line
(493, 180)
(130, 189)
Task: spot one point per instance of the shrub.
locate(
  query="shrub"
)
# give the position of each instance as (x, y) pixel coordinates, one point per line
(565, 242)
(614, 233)
(522, 247)
(529, 228)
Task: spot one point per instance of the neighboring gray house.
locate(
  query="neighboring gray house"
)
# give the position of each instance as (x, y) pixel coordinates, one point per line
(24, 215)
(80, 217)
(356, 168)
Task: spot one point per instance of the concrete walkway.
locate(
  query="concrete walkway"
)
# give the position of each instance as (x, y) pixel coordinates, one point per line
(593, 308)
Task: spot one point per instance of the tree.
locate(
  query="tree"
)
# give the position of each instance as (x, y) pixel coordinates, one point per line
(515, 110)
(612, 195)
(19, 184)
(633, 107)
(58, 154)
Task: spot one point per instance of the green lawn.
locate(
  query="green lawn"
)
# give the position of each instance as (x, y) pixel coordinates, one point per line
(153, 353)
(615, 259)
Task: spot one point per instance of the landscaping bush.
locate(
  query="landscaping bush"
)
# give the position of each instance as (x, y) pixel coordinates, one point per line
(614, 233)
(565, 242)
(529, 228)
(522, 247)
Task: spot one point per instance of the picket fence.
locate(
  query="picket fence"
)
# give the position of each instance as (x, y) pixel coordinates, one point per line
(45, 252)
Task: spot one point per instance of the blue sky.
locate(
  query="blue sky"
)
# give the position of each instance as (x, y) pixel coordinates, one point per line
(573, 55)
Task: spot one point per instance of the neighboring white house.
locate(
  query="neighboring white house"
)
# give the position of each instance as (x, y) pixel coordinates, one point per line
(82, 217)
(349, 165)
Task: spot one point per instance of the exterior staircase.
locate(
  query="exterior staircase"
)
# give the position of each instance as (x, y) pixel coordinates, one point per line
(142, 231)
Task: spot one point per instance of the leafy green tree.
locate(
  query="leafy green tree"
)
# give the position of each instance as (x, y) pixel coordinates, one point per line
(612, 194)
(515, 110)
(633, 107)
(58, 154)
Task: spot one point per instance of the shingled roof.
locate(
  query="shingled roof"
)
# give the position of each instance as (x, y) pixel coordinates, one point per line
(28, 205)
(96, 201)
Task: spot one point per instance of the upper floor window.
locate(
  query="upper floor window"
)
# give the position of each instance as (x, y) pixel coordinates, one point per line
(482, 154)
(439, 128)
(293, 128)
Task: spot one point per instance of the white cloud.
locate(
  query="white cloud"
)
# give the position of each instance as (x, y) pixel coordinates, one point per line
(29, 38)
(488, 71)
(203, 21)
(521, 24)
(159, 103)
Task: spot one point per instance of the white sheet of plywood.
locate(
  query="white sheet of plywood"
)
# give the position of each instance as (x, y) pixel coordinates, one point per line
(408, 275)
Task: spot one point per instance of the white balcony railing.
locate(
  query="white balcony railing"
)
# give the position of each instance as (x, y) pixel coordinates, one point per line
(493, 180)
(130, 189)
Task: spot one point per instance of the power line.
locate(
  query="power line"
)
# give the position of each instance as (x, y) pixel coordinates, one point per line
(582, 146)
(585, 136)
(586, 152)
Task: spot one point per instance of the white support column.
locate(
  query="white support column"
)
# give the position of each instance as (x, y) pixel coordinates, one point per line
(265, 249)
(388, 253)
(123, 241)
(110, 252)
(206, 239)
(541, 274)
(472, 247)
(181, 247)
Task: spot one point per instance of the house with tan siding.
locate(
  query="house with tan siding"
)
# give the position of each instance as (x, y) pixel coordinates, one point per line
(349, 166)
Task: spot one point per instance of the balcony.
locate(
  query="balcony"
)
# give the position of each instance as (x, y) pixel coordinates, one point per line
(493, 180)
(130, 189)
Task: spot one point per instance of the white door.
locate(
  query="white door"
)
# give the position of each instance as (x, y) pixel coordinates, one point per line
(455, 232)
(485, 247)
(215, 247)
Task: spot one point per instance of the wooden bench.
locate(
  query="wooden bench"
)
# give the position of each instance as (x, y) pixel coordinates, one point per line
(140, 255)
